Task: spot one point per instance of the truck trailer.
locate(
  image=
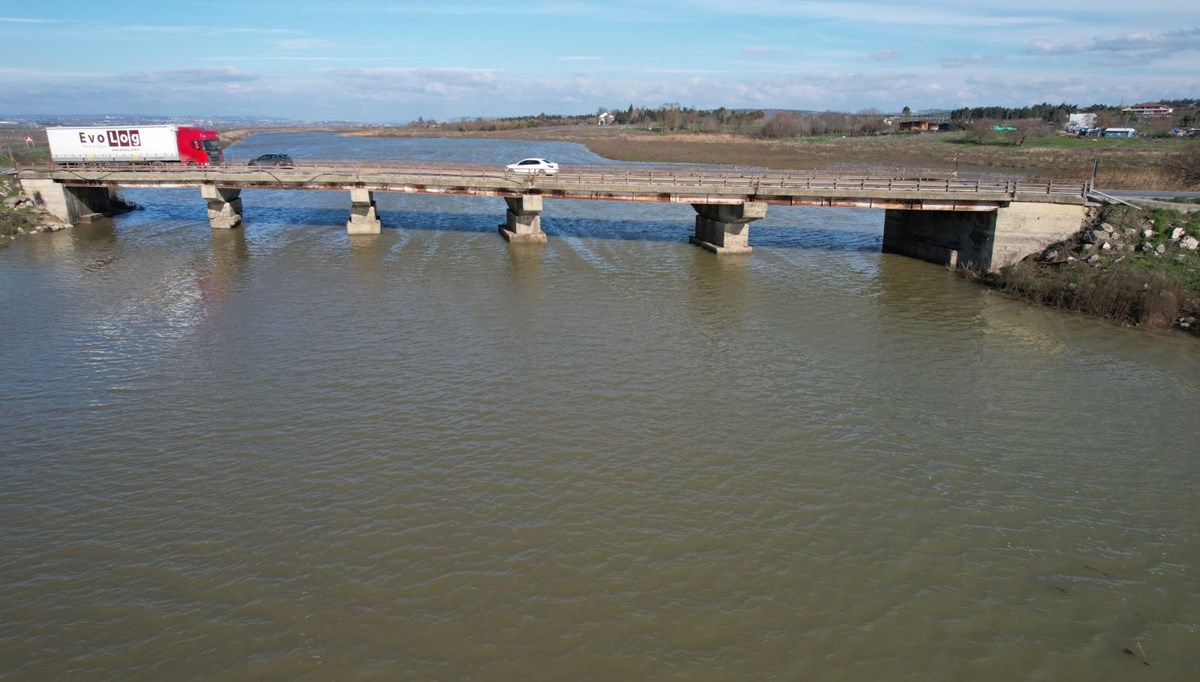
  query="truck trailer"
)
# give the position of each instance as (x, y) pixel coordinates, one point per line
(135, 144)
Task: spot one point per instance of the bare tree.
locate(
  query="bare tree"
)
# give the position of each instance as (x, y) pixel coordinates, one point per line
(782, 124)
(982, 131)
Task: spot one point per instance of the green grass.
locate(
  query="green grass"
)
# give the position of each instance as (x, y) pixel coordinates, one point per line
(1130, 286)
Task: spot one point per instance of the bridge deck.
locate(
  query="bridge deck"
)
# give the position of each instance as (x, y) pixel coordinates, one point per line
(665, 184)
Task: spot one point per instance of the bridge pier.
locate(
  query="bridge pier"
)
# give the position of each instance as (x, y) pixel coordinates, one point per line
(524, 219)
(363, 218)
(72, 205)
(983, 240)
(725, 228)
(224, 206)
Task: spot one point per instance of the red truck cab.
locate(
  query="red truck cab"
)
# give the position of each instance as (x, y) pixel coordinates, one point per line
(198, 146)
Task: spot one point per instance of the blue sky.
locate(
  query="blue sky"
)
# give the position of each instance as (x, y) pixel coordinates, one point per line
(394, 61)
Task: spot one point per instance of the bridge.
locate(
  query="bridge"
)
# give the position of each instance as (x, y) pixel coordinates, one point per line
(937, 217)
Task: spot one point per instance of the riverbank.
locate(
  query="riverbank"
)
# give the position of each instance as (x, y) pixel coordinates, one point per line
(1132, 266)
(19, 214)
(1143, 163)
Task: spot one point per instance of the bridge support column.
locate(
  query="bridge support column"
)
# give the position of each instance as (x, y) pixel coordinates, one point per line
(224, 206)
(73, 205)
(982, 240)
(725, 228)
(363, 219)
(524, 219)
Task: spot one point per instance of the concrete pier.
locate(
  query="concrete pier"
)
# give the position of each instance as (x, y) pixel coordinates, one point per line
(363, 218)
(224, 206)
(979, 223)
(984, 240)
(524, 220)
(72, 205)
(725, 228)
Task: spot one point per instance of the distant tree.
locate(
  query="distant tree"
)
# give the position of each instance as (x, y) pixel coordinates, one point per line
(1023, 133)
(982, 131)
(906, 111)
(672, 118)
(781, 125)
(1110, 119)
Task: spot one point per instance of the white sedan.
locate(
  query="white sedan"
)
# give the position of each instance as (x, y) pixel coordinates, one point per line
(534, 166)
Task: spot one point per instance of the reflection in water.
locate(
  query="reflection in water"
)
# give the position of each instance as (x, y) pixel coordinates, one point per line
(716, 291)
(281, 452)
(525, 264)
(229, 256)
(367, 253)
(101, 233)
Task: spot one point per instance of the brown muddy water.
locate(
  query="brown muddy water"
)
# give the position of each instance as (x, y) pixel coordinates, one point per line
(282, 453)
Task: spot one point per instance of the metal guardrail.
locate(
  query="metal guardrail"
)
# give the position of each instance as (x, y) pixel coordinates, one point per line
(733, 179)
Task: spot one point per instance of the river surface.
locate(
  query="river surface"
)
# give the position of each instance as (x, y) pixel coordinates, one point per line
(283, 453)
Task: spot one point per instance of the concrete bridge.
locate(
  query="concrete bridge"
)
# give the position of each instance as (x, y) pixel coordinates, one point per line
(946, 220)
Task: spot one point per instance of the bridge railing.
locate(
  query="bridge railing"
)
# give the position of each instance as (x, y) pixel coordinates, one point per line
(748, 180)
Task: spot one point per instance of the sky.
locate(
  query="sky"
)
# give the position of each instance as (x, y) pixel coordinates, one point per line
(393, 61)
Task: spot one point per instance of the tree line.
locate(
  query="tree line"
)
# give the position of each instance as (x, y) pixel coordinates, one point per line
(673, 117)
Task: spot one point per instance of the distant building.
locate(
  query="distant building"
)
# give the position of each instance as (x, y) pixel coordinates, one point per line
(1081, 121)
(1120, 132)
(605, 118)
(1150, 110)
(920, 125)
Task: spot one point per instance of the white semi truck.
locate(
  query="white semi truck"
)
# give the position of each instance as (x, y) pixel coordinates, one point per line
(135, 144)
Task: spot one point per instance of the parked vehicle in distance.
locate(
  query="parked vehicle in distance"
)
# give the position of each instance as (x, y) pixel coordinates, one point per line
(272, 160)
(533, 166)
(152, 144)
(1120, 132)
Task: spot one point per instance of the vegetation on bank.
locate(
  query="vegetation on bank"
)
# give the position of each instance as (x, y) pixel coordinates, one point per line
(1116, 163)
(1132, 266)
(19, 215)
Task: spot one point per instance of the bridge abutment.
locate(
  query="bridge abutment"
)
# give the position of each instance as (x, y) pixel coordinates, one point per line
(363, 218)
(524, 219)
(224, 206)
(73, 205)
(725, 228)
(984, 240)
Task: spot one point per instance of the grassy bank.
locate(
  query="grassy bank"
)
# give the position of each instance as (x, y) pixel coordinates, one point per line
(1141, 163)
(1135, 267)
(19, 216)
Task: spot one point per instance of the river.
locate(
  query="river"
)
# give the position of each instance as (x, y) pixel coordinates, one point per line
(282, 453)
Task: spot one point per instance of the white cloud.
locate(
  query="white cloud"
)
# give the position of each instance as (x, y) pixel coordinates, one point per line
(307, 44)
(959, 62)
(1141, 46)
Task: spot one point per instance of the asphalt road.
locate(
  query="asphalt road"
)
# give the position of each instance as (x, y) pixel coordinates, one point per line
(1149, 194)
